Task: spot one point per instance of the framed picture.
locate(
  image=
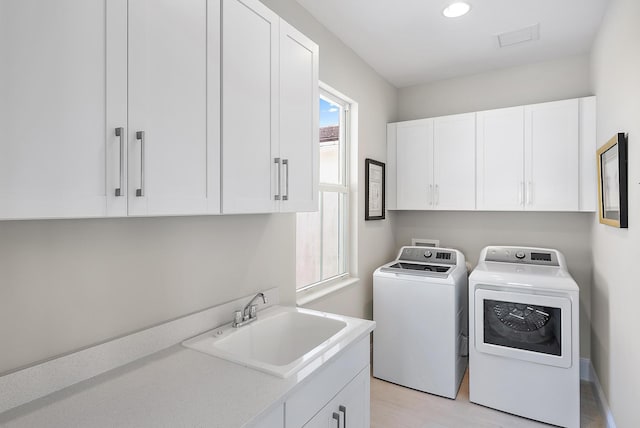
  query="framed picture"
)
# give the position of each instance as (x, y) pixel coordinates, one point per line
(374, 190)
(612, 182)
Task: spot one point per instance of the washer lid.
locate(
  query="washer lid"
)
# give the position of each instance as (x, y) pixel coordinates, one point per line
(416, 268)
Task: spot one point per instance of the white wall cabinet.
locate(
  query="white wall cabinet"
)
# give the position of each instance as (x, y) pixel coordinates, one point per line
(100, 78)
(454, 169)
(116, 109)
(57, 120)
(536, 158)
(435, 163)
(414, 164)
(168, 137)
(270, 119)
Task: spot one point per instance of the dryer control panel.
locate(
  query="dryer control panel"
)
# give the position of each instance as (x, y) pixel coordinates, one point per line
(428, 254)
(522, 255)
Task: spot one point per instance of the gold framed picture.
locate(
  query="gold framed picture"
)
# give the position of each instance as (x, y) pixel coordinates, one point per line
(612, 182)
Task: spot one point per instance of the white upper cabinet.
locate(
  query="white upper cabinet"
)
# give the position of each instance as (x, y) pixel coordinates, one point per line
(299, 113)
(250, 103)
(551, 144)
(537, 158)
(500, 160)
(435, 163)
(59, 155)
(104, 108)
(270, 112)
(454, 155)
(168, 142)
(414, 165)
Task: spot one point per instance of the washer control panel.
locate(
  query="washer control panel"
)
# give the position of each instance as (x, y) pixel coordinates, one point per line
(428, 254)
(529, 256)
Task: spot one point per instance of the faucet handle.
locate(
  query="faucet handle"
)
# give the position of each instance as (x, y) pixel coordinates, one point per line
(252, 311)
(237, 317)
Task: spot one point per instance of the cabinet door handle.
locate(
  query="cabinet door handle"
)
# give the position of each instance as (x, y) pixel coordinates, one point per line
(336, 417)
(120, 133)
(343, 410)
(521, 193)
(140, 137)
(430, 194)
(437, 195)
(277, 195)
(285, 196)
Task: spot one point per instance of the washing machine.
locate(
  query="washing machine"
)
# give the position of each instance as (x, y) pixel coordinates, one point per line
(524, 350)
(419, 306)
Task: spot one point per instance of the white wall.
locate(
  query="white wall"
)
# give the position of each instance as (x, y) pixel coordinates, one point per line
(343, 70)
(68, 284)
(528, 84)
(616, 287)
(471, 231)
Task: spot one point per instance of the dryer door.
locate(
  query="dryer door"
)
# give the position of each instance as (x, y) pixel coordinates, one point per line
(528, 327)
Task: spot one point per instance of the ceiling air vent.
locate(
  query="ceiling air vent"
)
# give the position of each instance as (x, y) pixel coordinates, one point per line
(527, 34)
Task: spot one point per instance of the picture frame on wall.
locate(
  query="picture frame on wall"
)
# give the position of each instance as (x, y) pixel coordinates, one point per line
(374, 192)
(612, 182)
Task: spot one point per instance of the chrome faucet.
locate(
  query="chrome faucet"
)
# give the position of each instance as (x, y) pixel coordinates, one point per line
(248, 314)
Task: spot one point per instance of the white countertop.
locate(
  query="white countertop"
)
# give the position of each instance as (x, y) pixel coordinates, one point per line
(171, 388)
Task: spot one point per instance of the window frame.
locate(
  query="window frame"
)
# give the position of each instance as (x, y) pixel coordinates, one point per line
(311, 291)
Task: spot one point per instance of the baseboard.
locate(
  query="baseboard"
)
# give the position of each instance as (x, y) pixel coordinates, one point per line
(588, 373)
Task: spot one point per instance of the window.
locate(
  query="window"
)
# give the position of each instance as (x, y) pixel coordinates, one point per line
(322, 237)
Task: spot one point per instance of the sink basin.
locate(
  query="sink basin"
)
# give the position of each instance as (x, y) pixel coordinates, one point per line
(280, 342)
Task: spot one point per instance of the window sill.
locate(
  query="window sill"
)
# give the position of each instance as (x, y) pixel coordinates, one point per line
(320, 291)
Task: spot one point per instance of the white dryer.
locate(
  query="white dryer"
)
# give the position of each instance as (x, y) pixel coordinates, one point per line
(419, 305)
(524, 348)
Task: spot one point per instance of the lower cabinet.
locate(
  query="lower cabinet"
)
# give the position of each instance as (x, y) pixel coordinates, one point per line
(348, 409)
(335, 395)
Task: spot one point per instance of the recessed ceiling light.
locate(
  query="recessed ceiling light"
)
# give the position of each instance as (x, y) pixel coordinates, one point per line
(457, 9)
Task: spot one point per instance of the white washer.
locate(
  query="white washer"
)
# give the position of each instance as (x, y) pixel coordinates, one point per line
(524, 351)
(419, 306)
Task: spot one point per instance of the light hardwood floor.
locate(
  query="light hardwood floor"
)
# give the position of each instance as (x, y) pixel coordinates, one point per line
(393, 406)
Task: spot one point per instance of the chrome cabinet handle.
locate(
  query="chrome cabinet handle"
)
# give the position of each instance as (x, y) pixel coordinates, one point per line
(343, 410)
(285, 196)
(277, 195)
(140, 137)
(430, 194)
(437, 195)
(336, 417)
(120, 133)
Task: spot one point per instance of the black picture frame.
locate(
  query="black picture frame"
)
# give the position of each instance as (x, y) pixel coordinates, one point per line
(374, 190)
(613, 204)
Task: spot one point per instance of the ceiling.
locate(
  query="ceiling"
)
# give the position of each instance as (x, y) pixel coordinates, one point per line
(410, 42)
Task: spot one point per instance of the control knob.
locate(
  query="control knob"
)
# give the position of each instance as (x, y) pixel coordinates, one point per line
(428, 254)
(520, 255)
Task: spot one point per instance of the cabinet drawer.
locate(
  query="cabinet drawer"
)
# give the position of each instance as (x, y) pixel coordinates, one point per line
(326, 383)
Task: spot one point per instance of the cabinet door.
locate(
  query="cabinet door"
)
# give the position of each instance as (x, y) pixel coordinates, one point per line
(414, 165)
(250, 40)
(168, 107)
(500, 159)
(348, 409)
(454, 162)
(299, 120)
(59, 155)
(552, 156)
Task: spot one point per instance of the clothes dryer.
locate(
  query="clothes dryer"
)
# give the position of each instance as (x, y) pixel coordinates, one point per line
(524, 351)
